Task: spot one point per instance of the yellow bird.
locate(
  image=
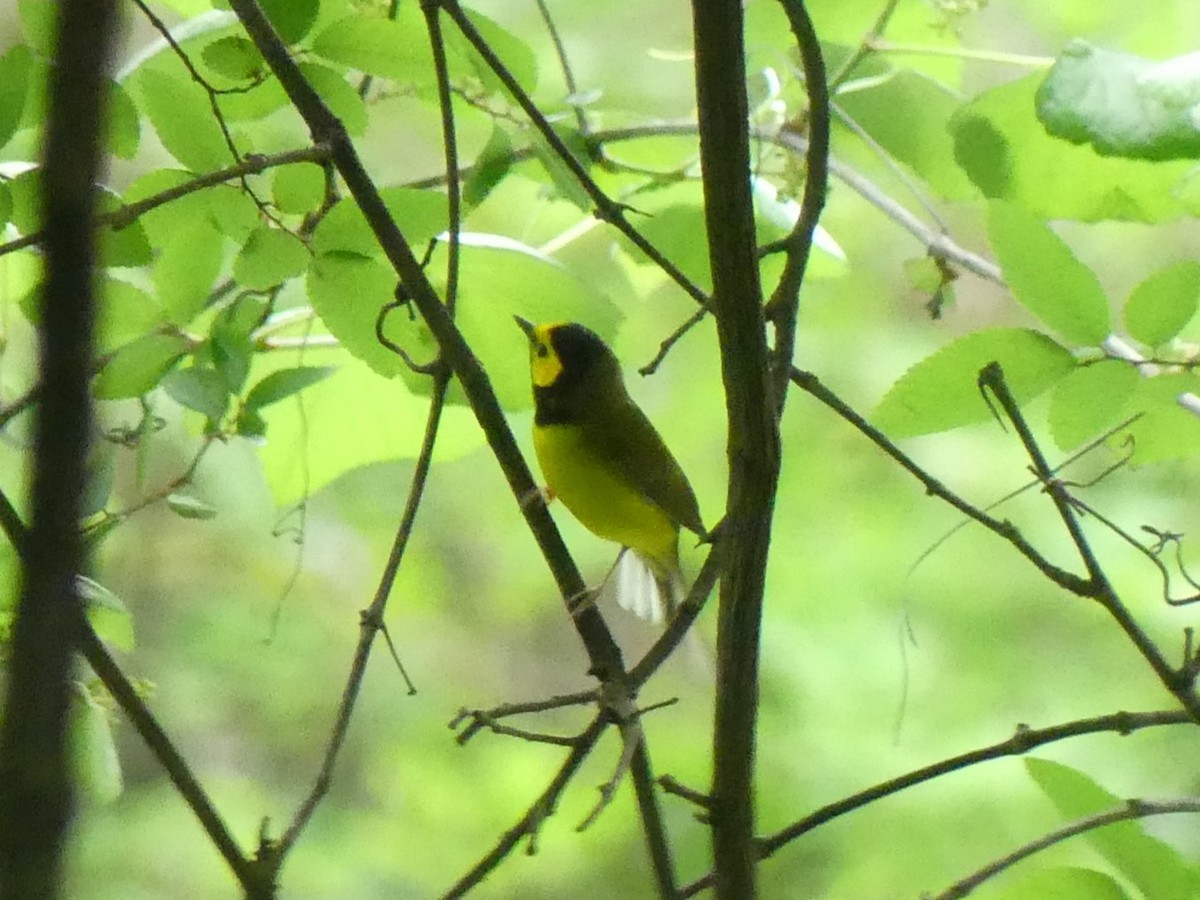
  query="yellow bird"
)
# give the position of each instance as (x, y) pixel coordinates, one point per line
(601, 456)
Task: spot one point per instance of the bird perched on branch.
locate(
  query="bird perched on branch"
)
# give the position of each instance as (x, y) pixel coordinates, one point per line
(610, 467)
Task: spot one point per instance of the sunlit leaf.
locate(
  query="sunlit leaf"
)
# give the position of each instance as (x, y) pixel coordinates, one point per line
(107, 612)
(14, 74)
(396, 49)
(199, 388)
(492, 164)
(137, 367)
(124, 125)
(291, 18)
(343, 100)
(1062, 884)
(235, 57)
(420, 216)
(296, 189)
(942, 391)
(187, 267)
(180, 112)
(1160, 307)
(93, 751)
(1089, 400)
(1008, 155)
(284, 383)
(269, 257)
(1153, 866)
(1046, 277)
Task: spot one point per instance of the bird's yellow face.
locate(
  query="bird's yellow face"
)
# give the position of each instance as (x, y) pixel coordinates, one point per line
(544, 362)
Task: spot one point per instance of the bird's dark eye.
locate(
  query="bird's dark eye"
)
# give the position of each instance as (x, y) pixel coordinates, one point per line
(543, 351)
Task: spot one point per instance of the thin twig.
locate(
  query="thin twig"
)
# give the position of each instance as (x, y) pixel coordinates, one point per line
(1097, 585)
(564, 64)
(537, 813)
(476, 718)
(125, 215)
(865, 46)
(783, 307)
(606, 208)
(810, 384)
(1130, 809)
(1023, 740)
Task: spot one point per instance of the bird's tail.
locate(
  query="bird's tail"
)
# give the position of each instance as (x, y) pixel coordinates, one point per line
(646, 591)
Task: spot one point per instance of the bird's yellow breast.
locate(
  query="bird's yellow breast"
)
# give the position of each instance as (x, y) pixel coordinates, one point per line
(601, 499)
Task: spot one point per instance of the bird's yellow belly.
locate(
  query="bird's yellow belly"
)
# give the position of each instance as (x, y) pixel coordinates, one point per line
(601, 500)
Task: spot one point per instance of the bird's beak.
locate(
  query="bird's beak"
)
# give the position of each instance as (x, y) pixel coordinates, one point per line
(526, 326)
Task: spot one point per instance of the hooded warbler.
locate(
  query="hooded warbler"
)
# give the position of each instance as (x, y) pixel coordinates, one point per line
(602, 457)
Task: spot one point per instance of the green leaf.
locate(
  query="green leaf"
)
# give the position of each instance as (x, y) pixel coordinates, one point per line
(920, 138)
(491, 165)
(188, 507)
(1165, 430)
(270, 257)
(348, 291)
(351, 419)
(1046, 277)
(291, 18)
(1154, 867)
(420, 215)
(516, 55)
(108, 614)
(199, 388)
(1160, 307)
(232, 211)
(942, 391)
(137, 367)
(1089, 400)
(126, 313)
(566, 185)
(1062, 884)
(14, 86)
(284, 383)
(1007, 154)
(180, 112)
(296, 189)
(234, 57)
(93, 751)
(1121, 104)
(339, 95)
(189, 261)
(396, 49)
(231, 345)
(38, 24)
(124, 124)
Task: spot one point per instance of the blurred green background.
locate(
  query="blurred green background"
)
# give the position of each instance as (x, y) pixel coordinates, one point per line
(870, 667)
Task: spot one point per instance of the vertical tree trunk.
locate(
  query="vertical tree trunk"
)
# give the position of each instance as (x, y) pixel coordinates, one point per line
(35, 783)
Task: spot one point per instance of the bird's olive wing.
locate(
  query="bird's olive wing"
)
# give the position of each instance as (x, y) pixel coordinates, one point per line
(627, 443)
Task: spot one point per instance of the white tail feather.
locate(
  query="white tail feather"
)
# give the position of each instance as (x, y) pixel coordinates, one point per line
(637, 588)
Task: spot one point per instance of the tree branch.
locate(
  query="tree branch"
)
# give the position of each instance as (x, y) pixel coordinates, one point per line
(1131, 809)
(1023, 740)
(753, 439)
(36, 793)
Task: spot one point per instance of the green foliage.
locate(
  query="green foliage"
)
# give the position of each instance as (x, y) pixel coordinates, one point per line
(1159, 308)
(1122, 104)
(1154, 867)
(1046, 277)
(242, 321)
(942, 391)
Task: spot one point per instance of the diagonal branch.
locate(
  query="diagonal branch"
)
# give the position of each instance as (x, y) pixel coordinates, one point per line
(1022, 741)
(1130, 809)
